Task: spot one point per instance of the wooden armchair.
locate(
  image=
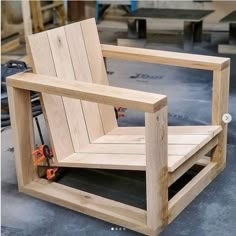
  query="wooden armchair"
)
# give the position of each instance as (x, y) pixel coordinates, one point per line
(78, 107)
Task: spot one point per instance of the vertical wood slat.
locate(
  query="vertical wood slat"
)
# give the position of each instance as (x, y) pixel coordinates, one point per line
(220, 96)
(82, 72)
(64, 70)
(56, 119)
(99, 75)
(156, 169)
(23, 134)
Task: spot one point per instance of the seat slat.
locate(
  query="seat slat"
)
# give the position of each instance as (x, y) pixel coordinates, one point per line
(128, 151)
(138, 130)
(138, 149)
(138, 139)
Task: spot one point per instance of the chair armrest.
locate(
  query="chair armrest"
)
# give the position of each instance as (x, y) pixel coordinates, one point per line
(148, 102)
(165, 57)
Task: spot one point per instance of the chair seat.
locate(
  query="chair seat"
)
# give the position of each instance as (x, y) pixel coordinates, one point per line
(124, 148)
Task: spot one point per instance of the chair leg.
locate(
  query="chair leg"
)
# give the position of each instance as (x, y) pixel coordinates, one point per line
(156, 170)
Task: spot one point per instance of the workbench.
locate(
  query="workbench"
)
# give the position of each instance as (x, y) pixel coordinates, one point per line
(231, 47)
(192, 21)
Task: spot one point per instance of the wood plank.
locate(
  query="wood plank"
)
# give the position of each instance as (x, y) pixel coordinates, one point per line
(139, 100)
(97, 67)
(119, 162)
(227, 48)
(177, 170)
(140, 139)
(64, 71)
(139, 149)
(23, 134)
(156, 169)
(82, 72)
(55, 114)
(104, 161)
(191, 190)
(165, 57)
(90, 204)
(25, 6)
(220, 100)
(172, 130)
(10, 45)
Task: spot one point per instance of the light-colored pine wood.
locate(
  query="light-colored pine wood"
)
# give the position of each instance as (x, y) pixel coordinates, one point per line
(131, 155)
(10, 46)
(138, 149)
(104, 161)
(23, 136)
(97, 67)
(140, 139)
(132, 148)
(165, 58)
(55, 114)
(25, 6)
(172, 130)
(156, 169)
(82, 73)
(220, 99)
(64, 71)
(227, 48)
(90, 204)
(195, 159)
(149, 102)
(191, 190)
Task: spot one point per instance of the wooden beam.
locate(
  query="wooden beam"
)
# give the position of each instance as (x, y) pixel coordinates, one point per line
(156, 170)
(220, 99)
(25, 6)
(89, 204)
(173, 176)
(191, 190)
(166, 58)
(11, 45)
(227, 48)
(104, 94)
(23, 135)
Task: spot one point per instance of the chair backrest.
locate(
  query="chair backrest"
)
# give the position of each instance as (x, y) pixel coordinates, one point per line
(72, 52)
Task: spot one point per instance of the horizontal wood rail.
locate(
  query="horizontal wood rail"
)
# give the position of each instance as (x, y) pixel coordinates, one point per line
(148, 102)
(166, 58)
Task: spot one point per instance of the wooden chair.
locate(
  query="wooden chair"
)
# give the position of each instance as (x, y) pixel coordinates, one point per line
(78, 104)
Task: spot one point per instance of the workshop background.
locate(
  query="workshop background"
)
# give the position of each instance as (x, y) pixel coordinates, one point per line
(213, 212)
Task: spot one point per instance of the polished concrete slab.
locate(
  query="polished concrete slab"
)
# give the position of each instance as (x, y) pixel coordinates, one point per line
(212, 213)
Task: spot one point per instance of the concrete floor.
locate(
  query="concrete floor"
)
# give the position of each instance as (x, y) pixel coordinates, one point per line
(212, 213)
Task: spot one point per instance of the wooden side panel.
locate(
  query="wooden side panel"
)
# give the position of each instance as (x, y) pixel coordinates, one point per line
(23, 135)
(220, 101)
(156, 169)
(64, 70)
(191, 190)
(90, 204)
(97, 67)
(54, 107)
(82, 73)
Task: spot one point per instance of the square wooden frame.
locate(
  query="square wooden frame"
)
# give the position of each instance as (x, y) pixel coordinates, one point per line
(159, 211)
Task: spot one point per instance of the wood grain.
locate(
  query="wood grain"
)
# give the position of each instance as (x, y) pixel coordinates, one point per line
(56, 119)
(156, 169)
(165, 57)
(149, 102)
(23, 134)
